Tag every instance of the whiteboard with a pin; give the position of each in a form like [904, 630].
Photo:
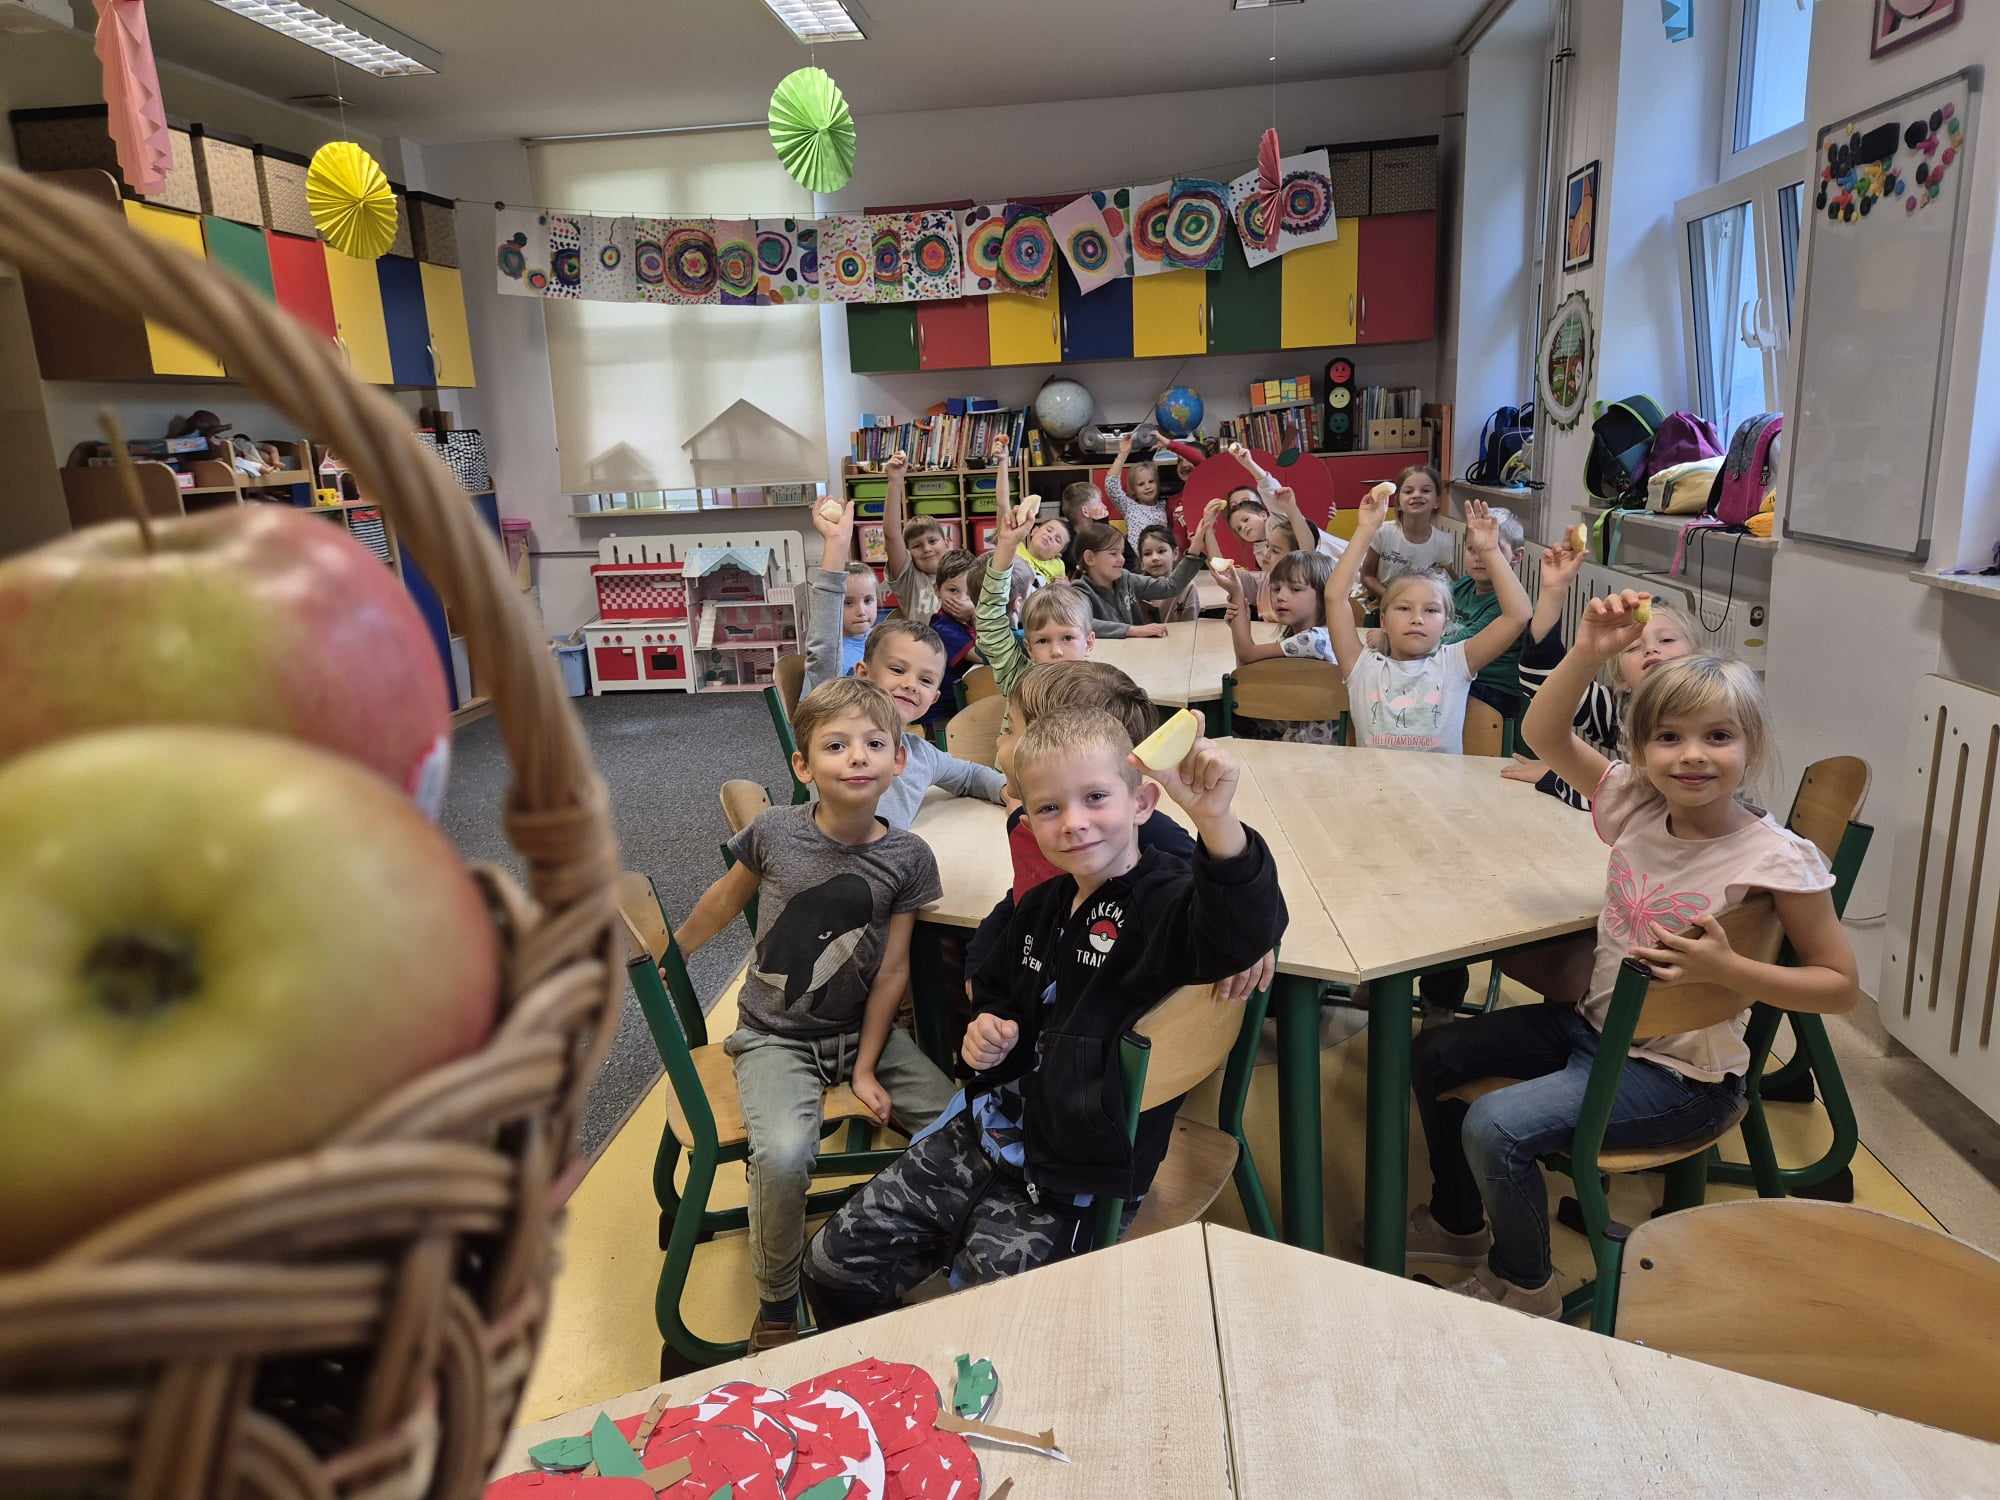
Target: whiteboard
[1874, 332]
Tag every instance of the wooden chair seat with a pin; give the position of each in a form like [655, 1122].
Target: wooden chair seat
[1614, 1158]
[973, 733]
[718, 1082]
[1199, 1162]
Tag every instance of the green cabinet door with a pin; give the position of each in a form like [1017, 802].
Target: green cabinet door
[241, 251]
[881, 338]
[1245, 306]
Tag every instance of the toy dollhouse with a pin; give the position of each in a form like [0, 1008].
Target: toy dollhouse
[693, 614]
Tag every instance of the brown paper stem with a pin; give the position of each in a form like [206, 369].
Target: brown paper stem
[1006, 1489]
[1043, 1443]
[666, 1476]
[653, 1414]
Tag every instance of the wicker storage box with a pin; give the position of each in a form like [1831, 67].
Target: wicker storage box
[78, 137]
[281, 189]
[1349, 173]
[225, 168]
[434, 223]
[1404, 179]
[402, 244]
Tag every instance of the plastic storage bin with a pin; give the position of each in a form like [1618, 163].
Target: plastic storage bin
[575, 676]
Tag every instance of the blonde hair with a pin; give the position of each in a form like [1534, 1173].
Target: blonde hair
[1427, 471]
[1054, 687]
[844, 695]
[1056, 603]
[1435, 580]
[1701, 684]
[1071, 733]
[1671, 614]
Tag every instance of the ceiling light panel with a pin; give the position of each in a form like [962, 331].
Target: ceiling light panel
[815, 21]
[1261, 4]
[337, 30]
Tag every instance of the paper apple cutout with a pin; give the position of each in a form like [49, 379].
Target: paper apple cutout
[1219, 475]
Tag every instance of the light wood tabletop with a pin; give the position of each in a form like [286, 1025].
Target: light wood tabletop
[1115, 1351]
[1186, 665]
[1343, 1381]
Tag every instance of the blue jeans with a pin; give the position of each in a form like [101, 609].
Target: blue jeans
[1483, 1156]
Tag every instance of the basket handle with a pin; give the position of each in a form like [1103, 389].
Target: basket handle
[557, 814]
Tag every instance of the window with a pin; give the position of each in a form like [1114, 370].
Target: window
[1765, 87]
[1739, 268]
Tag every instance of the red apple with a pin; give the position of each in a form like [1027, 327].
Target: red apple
[258, 616]
[215, 948]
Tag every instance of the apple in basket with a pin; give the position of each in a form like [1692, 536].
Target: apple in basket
[216, 948]
[259, 616]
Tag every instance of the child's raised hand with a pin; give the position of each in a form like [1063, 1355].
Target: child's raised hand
[1606, 626]
[1124, 445]
[898, 461]
[1700, 954]
[1231, 584]
[1560, 565]
[1205, 781]
[988, 1040]
[1482, 527]
[1374, 508]
[834, 519]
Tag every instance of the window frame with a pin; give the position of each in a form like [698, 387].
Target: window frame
[1730, 162]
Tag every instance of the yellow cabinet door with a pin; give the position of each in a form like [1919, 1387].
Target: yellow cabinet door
[1317, 306]
[1023, 330]
[444, 308]
[1170, 313]
[360, 328]
[171, 353]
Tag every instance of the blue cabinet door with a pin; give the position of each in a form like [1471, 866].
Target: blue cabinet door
[409, 327]
[1097, 326]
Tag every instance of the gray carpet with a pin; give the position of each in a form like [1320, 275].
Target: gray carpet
[663, 755]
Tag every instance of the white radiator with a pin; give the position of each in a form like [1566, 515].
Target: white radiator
[1938, 977]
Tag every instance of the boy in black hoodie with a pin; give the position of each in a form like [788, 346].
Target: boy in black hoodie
[1004, 1180]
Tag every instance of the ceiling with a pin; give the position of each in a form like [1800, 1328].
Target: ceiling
[532, 67]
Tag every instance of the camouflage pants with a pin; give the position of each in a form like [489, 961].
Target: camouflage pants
[943, 1203]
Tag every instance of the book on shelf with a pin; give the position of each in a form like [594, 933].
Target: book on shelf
[1381, 401]
[1275, 392]
[962, 431]
[1300, 427]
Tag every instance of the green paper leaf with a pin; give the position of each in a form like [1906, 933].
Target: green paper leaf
[727, 1492]
[561, 1454]
[812, 130]
[830, 1489]
[973, 1385]
[612, 1454]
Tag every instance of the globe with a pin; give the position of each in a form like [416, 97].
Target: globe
[1062, 407]
[1179, 412]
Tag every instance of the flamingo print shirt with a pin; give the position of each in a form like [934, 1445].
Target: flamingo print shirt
[1656, 877]
[1414, 704]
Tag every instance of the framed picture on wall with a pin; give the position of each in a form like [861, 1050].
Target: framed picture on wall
[1898, 22]
[1580, 218]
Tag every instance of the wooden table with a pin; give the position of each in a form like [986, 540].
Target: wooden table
[1184, 666]
[1391, 862]
[1207, 1362]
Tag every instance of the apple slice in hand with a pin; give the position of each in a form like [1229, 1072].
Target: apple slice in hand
[1167, 746]
[1579, 537]
[831, 511]
[1642, 612]
[1220, 565]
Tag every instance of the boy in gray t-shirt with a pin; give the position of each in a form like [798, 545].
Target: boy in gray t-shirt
[837, 894]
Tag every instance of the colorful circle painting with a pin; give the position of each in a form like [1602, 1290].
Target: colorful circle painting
[773, 250]
[982, 251]
[690, 258]
[1194, 229]
[1260, 221]
[887, 253]
[1149, 228]
[932, 254]
[1027, 251]
[610, 256]
[1308, 200]
[566, 265]
[1089, 250]
[736, 270]
[649, 262]
[849, 268]
[513, 257]
[807, 268]
[539, 280]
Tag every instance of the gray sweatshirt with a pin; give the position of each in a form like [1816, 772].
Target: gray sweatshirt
[1114, 611]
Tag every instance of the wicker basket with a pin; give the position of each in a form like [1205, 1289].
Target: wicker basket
[358, 1321]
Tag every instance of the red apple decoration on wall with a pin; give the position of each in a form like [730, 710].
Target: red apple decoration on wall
[258, 616]
[216, 948]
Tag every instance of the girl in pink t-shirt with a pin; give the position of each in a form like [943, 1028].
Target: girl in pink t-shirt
[1684, 848]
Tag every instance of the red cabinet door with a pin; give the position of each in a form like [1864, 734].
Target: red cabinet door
[298, 276]
[952, 335]
[615, 663]
[1397, 278]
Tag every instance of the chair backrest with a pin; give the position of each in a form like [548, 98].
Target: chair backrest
[1824, 1297]
[973, 733]
[645, 923]
[1289, 690]
[979, 684]
[1829, 798]
[1754, 932]
[1485, 730]
[790, 677]
[1191, 1032]
[742, 801]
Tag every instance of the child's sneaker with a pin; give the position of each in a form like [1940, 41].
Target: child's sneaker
[765, 1335]
[1429, 1241]
[1483, 1285]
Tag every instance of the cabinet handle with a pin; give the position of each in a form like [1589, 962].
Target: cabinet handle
[346, 353]
[1350, 310]
[1055, 333]
[923, 340]
[913, 332]
[1364, 310]
[437, 365]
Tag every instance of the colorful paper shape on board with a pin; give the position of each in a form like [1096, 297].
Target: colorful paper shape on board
[521, 252]
[136, 112]
[1305, 201]
[735, 262]
[942, 1467]
[901, 1400]
[888, 274]
[563, 1453]
[829, 1489]
[565, 258]
[974, 1385]
[1196, 222]
[611, 1453]
[981, 229]
[836, 1441]
[733, 1437]
[1085, 243]
[1027, 251]
[787, 261]
[607, 261]
[1152, 206]
[1254, 203]
[846, 262]
[932, 261]
[673, 261]
[1116, 206]
[539, 1484]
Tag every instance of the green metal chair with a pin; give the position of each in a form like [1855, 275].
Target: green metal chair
[742, 801]
[1640, 1010]
[1285, 690]
[704, 1122]
[1169, 1050]
[781, 700]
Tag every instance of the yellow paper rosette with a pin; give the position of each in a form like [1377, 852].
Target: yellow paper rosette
[348, 196]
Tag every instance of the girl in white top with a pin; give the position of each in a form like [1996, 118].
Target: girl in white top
[1295, 585]
[1263, 503]
[1412, 696]
[1684, 848]
[1410, 543]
